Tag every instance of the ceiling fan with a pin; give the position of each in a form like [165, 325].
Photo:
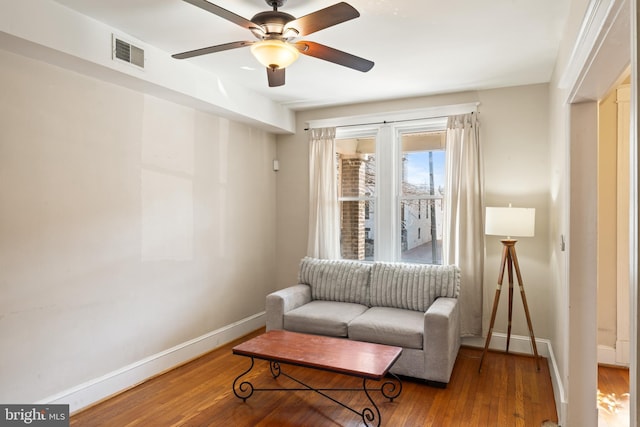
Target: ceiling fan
[278, 32]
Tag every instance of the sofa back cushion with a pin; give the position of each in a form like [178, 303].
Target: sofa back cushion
[412, 286]
[336, 280]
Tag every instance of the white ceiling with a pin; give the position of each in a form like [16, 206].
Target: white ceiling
[420, 47]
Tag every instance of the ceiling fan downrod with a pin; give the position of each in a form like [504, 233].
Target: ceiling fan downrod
[275, 4]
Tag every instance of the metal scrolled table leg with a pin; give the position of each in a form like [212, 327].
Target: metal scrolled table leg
[391, 389]
[368, 414]
[275, 369]
[243, 390]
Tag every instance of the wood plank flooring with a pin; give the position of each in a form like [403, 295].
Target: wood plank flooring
[613, 396]
[508, 392]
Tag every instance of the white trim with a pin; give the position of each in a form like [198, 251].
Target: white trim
[519, 344]
[394, 116]
[634, 227]
[366, 131]
[558, 389]
[614, 356]
[622, 352]
[634, 224]
[387, 231]
[606, 355]
[93, 391]
[608, 31]
[590, 31]
[522, 345]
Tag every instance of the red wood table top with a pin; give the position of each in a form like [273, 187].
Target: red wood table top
[361, 359]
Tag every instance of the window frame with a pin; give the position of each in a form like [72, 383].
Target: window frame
[388, 188]
[367, 131]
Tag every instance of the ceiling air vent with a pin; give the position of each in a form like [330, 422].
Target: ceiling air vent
[127, 52]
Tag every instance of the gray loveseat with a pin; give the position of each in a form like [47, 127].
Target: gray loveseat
[413, 306]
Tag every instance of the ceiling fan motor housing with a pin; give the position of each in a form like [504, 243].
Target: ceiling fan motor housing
[272, 22]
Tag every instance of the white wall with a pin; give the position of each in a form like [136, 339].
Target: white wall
[593, 55]
[558, 235]
[128, 225]
[514, 139]
[559, 206]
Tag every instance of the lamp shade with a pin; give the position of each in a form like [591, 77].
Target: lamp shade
[510, 222]
[274, 54]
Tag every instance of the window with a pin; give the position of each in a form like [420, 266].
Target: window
[356, 159]
[421, 197]
[391, 185]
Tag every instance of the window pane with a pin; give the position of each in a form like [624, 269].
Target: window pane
[356, 181]
[421, 231]
[357, 230]
[356, 167]
[421, 212]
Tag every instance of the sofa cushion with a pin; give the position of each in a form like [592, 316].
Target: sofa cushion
[390, 326]
[336, 280]
[412, 286]
[323, 318]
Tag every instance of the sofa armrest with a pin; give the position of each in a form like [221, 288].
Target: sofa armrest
[441, 338]
[282, 301]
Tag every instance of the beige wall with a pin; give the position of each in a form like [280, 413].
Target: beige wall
[128, 225]
[516, 158]
[514, 139]
[607, 212]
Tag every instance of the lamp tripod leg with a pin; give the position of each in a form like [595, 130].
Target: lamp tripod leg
[496, 300]
[512, 251]
[510, 276]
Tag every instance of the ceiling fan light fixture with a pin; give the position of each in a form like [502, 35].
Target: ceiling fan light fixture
[274, 54]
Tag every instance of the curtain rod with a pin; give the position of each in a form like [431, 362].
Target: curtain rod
[383, 122]
[386, 122]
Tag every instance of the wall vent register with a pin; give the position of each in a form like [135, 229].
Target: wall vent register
[127, 52]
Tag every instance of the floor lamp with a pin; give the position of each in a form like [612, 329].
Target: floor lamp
[510, 222]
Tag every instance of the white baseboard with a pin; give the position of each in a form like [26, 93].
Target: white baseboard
[618, 356]
[606, 355]
[93, 391]
[518, 343]
[623, 350]
[521, 344]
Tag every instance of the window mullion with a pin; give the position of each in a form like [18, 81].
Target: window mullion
[386, 213]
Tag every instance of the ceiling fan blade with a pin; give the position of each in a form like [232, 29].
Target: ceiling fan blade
[336, 56]
[223, 13]
[323, 18]
[275, 76]
[211, 49]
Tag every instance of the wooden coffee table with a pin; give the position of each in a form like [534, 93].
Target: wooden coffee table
[368, 361]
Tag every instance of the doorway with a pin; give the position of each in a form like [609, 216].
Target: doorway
[613, 226]
[612, 51]
[613, 183]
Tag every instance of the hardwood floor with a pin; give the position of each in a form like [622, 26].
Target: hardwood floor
[613, 396]
[508, 392]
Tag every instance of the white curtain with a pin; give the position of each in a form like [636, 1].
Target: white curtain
[324, 219]
[463, 242]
